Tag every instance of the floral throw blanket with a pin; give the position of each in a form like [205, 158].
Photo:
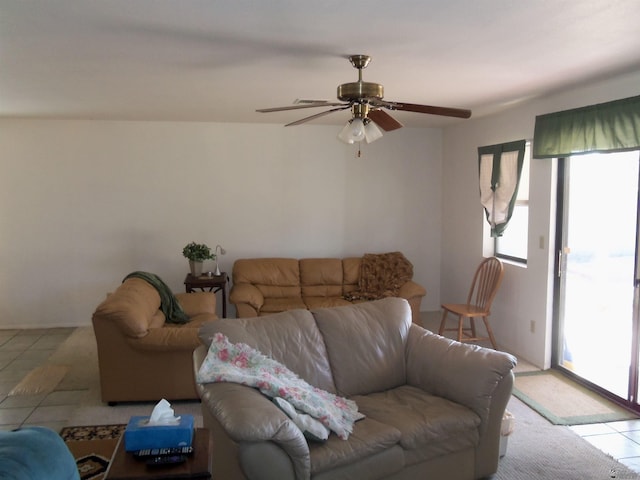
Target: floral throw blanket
[239, 363]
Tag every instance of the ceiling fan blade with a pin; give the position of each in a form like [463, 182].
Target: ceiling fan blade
[299, 106]
[317, 115]
[384, 120]
[307, 100]
[430, 109]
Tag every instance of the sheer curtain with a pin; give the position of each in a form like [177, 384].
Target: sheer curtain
[500, 169]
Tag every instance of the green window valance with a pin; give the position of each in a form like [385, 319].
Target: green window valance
[605, 127]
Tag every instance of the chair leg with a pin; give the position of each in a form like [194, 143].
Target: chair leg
[460, 325]
[443, 322]
[472, 323]
[490, 332]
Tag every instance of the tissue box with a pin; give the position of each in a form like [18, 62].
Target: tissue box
[139, 436]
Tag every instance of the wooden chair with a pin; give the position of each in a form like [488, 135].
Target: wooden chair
[484, 287]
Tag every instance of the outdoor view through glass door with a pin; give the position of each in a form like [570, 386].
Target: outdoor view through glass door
[597, 339]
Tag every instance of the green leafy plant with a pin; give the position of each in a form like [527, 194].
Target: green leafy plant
[198, 252]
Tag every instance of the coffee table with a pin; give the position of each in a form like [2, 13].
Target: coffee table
[124, 466]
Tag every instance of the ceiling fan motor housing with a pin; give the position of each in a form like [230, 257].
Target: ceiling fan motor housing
[354, 91]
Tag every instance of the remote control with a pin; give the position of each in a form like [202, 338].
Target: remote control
[163, 452]
[166, 460]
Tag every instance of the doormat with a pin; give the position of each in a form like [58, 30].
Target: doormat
[40, 380]
[92, 447]
[563, 401]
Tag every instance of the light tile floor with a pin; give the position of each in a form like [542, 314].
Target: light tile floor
[20, 352]
[23, 350]
[621, 440]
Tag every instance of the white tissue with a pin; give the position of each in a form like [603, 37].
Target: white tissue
[163, 415]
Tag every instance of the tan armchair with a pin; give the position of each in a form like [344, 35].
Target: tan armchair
[142, 357]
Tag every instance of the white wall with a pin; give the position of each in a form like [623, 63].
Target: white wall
[83, 203]
[526, 293]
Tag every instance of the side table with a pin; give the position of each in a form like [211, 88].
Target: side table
[124, 466]
[206, 283]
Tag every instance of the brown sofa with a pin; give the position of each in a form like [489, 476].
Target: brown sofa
[433, 406]
[142, 357]
[262, 286]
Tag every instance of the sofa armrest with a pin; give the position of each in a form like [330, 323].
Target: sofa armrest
[411, 289]
[489, 445]
[466, 374]
[246, 293]
[250, 418]
[197, 302]
[167, 339]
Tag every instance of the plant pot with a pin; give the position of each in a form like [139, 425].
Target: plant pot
[196, 268]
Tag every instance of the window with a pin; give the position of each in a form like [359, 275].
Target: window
[512, 245]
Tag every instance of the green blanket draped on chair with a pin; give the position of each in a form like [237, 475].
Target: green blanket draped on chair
[168, 304]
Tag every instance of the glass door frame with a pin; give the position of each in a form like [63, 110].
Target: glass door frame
[632, 401]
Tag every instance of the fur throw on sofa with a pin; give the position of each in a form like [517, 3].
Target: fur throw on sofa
[381, 275]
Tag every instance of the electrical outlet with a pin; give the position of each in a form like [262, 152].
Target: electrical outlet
[532, 326]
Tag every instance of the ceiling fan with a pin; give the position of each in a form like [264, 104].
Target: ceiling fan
[365, 99]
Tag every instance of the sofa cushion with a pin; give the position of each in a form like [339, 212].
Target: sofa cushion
[434, 425]
[321, 277]
[324, 302]
[291, 338]
[369, 437]
[133, 306]
[275, 305]
[366, 344]
[274, 277]
[351, 273]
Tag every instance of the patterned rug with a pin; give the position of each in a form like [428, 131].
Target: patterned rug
[92, 447]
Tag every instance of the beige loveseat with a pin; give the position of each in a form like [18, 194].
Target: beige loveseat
[141, 356]
[433, 406]
[262, 286]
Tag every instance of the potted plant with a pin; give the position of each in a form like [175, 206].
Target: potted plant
[197, 253]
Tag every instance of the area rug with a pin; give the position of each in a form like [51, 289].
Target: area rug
[79, 352]
[40, 380]
[539, 450]
[563, 401]
[92, 447]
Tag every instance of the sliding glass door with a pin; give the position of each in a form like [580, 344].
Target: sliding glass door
[597, 304]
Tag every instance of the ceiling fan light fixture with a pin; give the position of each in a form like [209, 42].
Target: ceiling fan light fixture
[371, 131]
[353, 131]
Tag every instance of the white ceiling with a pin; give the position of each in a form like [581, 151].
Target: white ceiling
[219, 60]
